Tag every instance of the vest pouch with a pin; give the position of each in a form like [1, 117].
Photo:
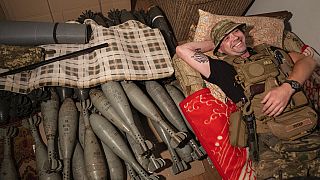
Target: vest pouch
[294, 124]
[237, 130]
[256, 104]
[258, 70]
[299, 99]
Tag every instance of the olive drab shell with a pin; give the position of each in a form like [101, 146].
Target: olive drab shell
[13, 57]
[221, 30]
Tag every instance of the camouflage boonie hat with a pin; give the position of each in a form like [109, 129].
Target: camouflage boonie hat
[221, 30]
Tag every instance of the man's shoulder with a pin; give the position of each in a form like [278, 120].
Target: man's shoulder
[266, 48]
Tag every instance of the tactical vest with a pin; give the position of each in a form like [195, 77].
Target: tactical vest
[257, 75]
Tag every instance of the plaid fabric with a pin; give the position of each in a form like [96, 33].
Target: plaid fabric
[135, 52]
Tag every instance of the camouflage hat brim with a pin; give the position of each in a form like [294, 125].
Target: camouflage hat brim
[219, 33]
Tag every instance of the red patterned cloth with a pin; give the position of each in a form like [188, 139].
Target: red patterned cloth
[209, 119]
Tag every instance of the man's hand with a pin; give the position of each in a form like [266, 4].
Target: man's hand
[276, 100]
[307, 51]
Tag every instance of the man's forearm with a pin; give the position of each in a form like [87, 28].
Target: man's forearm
[303, 69]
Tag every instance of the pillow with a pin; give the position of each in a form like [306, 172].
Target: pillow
[261, 29]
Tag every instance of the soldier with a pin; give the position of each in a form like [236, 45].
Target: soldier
[278, 155]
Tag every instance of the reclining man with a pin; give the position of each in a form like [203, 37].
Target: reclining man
[263, 82]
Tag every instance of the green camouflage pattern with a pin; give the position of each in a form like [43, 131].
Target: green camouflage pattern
[221, 30]
[281, 159]
[13, 57]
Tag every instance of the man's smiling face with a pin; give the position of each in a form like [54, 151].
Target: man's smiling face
[234, 43]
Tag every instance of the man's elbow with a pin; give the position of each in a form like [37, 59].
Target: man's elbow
[297, 57]
[315, 61]
[312, 62]
[179, 50]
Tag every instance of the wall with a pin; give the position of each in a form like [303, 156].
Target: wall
[56, 10]
[2, 15]
[304, 21]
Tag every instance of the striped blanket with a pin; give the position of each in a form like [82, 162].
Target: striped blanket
[135, 52]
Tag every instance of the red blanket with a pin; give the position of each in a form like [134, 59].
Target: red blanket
[209, 118]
